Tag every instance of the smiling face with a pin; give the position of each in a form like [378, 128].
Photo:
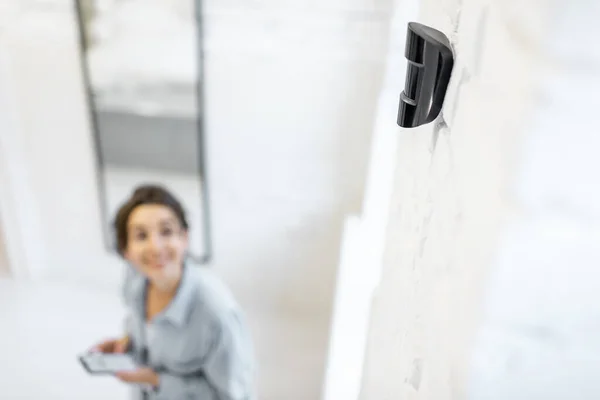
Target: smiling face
[156, 243]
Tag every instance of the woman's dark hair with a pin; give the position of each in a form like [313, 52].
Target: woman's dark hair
[145, 194]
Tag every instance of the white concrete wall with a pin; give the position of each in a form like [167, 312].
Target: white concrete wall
[51, 164]
[489, 289]
[290, 120]
[540, 337]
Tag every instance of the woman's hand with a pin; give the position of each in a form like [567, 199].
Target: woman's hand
[140, 376]
[112, 345]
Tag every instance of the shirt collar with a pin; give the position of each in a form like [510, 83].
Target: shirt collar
[178, 310]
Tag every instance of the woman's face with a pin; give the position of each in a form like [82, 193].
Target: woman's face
[156, 243]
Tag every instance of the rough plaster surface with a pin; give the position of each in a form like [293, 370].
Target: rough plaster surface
[450, 200]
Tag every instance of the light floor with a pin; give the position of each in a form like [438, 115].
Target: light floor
[44, 326]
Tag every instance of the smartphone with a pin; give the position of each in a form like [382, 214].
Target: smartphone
[107, 364]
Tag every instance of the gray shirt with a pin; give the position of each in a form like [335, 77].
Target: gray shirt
[199, 345]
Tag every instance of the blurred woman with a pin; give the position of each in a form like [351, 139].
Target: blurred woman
[184, 327]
